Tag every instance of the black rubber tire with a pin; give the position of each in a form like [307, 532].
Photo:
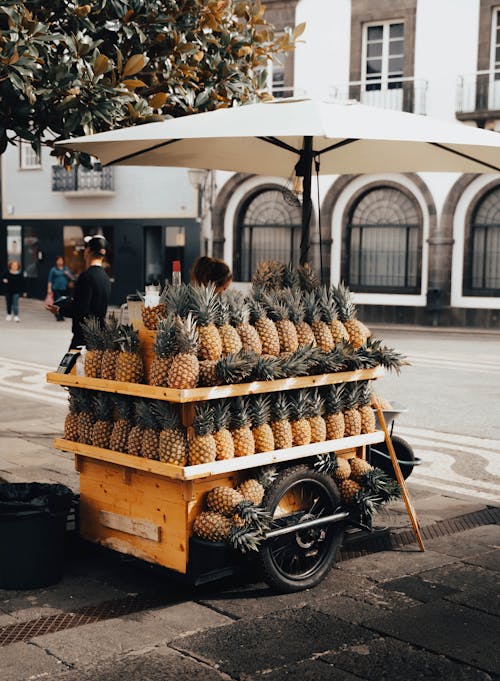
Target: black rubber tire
[403, 453]
[312, 551]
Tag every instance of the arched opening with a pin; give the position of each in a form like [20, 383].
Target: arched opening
[482, 247]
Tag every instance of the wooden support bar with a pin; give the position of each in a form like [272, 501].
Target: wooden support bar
[135, 526]
[399, 477]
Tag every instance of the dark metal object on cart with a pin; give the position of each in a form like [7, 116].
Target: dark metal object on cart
[378, 455]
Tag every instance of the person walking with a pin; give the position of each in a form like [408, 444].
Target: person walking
[13, 281]
[91, 293]
[58, 282]
[208, 270]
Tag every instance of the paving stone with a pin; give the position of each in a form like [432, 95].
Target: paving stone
[254, 600]
[468, 543]
[388, 565]
[272, 641]
[387, 600]
[348, 609]
[185, 618]
[431, 508]
[160, 664]
[310, 670]
[418, 589]
[21, 661]
[461, 576]
[490, 560]
[478, 599]
[447, 628]
[386, 659]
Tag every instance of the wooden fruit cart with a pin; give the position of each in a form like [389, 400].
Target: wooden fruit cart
[146, 508]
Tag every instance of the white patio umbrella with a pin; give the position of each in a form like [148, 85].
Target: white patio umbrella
[281, 136]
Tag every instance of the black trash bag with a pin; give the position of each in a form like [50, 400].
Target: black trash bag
[28, 497]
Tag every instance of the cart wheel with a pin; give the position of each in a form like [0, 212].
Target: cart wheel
[380, 457]
[300, 560]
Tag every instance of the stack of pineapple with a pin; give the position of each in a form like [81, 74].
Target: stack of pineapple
[113, 351]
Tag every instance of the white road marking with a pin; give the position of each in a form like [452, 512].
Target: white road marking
[28, 380]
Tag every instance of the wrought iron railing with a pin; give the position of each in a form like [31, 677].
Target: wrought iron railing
[478, 91]
[79, 179]
[399, 94]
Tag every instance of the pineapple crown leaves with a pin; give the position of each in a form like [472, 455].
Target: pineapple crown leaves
[268, 275]
[293, 300]
[84, 400]
[300, 362]
[268, 368]
[186, 335]
[240, 413]
[204, 303]
[93, 333]
[378, 484]
[245, 538]
[276, 308]
[222, 414]
[145, 416]
[308, 279]
[290, 278]
[235, 367]
[256, 309]
[334, 360]
[344, 301]
[267, 475]
[351, 395]
[312, 308]
[177, 299]
[327, 304]
[166, 414]
[387, 357]
[326, 463]
[250, 513]
[165, 344]
[361, 358]
[334, 398]
[239, 309]
[129, 339]
[316, 403]
[123, 405]
[112, 333]
[260, 409]
[203, 422]
[299, 405]
[223, 315]
[280, 407]
[365, 392]
[103, 406]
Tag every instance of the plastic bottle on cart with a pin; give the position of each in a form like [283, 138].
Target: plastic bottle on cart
[80, 362]
[176, 273]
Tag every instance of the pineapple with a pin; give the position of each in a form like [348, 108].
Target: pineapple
[252, 490]
[202, 446]
[232, 368]
[357, 331]
[296, 310]
[301, 428]
[329, 315]
[94, 336]
[205, 306]
[240, 315]
[230, 338]
[164, 349]
[359, 468]
[152, 315]
[148, 422]
[279, 313]
[222, 436]
[71, 420]
[280, 421]
[122, 424]
[172, 443]
[387, 357]
[177, 300]
[185, 369]
[268, 275]
[268, 368]
[103, 425]
[312, 315]
[134, 440]
[348, 491]
[111, 348]
[315, 417]
[331, 464]
[334, 418]
[352, 417]
[212, 526]
[244, 444]
[129, 365]
[266, 329]
[308, 279]
[229, 502]
[260, 409]
[85, 417]
[368, 420]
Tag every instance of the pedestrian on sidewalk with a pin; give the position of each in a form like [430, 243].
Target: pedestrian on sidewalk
[13, 282]
[208, 270]
[91, 293]
[60, 279]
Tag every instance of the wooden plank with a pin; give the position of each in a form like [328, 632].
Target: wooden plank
[216, 392]
[135, 526]
[217, 467]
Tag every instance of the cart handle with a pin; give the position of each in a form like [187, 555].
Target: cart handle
[335, 518]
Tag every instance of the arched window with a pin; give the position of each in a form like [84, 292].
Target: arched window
[384, 242]
[482, 248]
[267, 228]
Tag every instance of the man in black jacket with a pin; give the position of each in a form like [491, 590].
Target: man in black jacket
[91, 292]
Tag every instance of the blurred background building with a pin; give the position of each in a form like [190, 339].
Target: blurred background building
[416, 248]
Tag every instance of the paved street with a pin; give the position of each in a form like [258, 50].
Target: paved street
[396, 613]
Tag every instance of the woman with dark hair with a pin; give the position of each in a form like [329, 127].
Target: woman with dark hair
[208, 270]
[14, 288]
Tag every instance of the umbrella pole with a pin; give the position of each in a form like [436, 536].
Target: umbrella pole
[306, 160]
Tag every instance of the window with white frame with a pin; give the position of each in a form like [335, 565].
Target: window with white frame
[482, 256]
[495, 44]
[29, 159]
[383, 52]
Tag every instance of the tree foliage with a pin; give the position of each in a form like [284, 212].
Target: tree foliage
[68, 69]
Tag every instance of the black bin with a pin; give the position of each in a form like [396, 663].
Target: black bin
[32, 532]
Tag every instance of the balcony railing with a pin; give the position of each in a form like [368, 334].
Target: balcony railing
[398, 94]
[478, 92]
[81, 181]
